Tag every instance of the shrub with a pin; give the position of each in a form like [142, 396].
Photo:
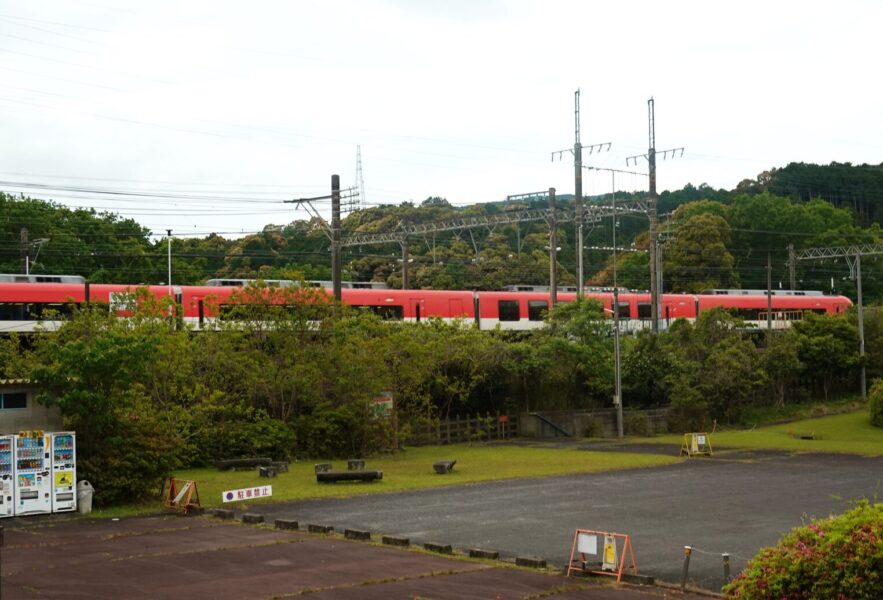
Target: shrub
[837, 557]
[592, 427]
[688, 410]
[875, 403]
[224, 427]
[636, 422]
[344, 431]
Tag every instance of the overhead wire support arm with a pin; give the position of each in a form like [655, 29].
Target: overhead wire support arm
[307, 203]
[673, 152]
[362, 239]
[602, 147]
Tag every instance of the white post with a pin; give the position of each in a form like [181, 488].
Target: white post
[170, 261]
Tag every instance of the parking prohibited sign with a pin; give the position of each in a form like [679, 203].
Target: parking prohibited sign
[252, 493]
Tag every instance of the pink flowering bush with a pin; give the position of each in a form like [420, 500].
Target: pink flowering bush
[838, 558]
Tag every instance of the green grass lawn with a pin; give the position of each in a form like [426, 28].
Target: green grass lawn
[408, 470]
[850, 433]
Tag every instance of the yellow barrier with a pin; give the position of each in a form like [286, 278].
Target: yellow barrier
[695, 444]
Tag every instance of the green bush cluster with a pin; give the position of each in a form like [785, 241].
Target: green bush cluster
[838, 557]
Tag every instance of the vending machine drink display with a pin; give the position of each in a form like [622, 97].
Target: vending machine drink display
[33, 482]
[7, 476]
[64, 471]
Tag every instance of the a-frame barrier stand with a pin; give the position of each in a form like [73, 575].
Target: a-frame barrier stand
[612, 557]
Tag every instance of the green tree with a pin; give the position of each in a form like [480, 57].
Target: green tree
[780, 360]
[97, 369]
[697, 258]
[828, 349]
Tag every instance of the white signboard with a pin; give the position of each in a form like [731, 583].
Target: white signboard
[252, 493]
[587, 544]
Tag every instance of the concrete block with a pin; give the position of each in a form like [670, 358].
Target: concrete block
[392, 540]
[286, 524]
[356, 534]
[482, 553]
[314, 528]
[252, 518]
[440, 548]
[534, 562]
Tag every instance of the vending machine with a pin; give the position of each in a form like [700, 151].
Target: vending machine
[33, 481]
[64, 471]
[7, 475]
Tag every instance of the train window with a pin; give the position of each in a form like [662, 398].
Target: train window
[387, 312]
[645, 311]
[265, 312]
[28, 311]
[12, 311]
[749, 314]
[624, 310]
[536, 309]
[510, 310]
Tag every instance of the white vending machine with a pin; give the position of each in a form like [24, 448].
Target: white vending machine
[64, 471]
[7, 475]
[33, 481]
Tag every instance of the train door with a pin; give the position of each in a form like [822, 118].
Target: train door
[416, 306]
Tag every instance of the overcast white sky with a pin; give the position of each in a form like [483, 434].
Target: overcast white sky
[231, 107]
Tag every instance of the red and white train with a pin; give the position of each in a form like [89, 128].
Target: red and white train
[24, 300]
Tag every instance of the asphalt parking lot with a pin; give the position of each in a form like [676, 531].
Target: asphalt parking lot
[734, 503]
[731, 503]
[201, 557]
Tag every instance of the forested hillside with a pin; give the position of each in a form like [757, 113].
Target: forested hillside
[712, 238]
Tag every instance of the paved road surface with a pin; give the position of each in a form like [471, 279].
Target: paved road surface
[734, 504]
[177, 557]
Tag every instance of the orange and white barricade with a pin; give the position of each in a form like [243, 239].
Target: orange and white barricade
[602, 553]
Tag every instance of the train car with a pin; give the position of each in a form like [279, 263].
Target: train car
[24, 305]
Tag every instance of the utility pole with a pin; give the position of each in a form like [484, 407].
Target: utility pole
[861, 323]
[405, 259]
[769, 292]
[617, 365]
[577, 152]
[655, 287]
[553, 249]
[792, 268]
[335, 237]
[23, 250]
[332, 232]
[169, 238]
[360, 179]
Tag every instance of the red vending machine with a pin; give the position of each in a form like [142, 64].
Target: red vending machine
[33, 481]
[64, 471]
[7, 475]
